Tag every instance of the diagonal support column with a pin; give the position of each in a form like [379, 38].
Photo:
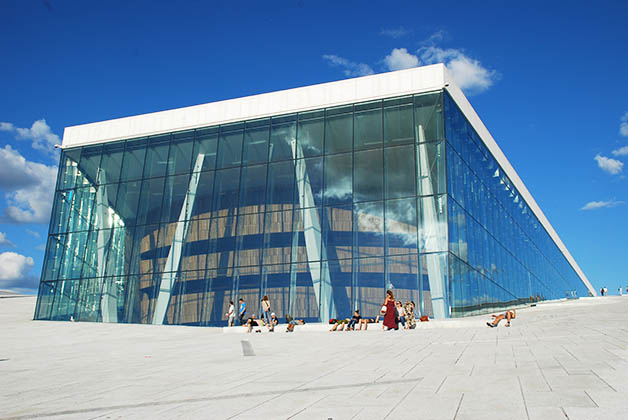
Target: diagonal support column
[176, 248]
[321, 281]
[109, 296]
[435, 271]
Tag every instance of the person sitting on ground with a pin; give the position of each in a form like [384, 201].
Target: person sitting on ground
[294, 322]
[274, 320]
[401, 315]
[410, 317]
[508, 315]
[252, 322]
[340, 323]
[354, 320]
[365, 322]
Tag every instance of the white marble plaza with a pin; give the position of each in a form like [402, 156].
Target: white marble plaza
[564, 360]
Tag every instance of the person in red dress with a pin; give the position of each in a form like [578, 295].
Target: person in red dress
[390, 319]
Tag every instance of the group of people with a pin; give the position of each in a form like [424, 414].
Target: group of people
[269, 319]
[620, 291]
[393, 313]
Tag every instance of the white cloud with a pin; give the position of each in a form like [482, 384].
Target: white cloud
[40, 134]
[623, 127]
[610, 165]
[350, 68]
[4, 241]
[400, 58]
[622, 151]
[29, 188]
[395, 32]
[468, 72]
[32, 233]
[594, 205]
[14, 270]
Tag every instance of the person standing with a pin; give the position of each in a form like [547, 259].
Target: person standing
[242, 311]
[266, 309]
[390, 319]
[605, 291]
[231, 314]
[620, 290]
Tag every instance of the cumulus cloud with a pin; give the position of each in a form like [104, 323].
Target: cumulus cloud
[468, 72]
[622, 151]
[349, 68]
[400, 58]
[14, 271]
[28, 187]
[396, 32]
[4, 241]
[623, 127]
[41, 136]
[594, 205]
[610, 165]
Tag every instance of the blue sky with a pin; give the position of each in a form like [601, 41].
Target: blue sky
[550, 82]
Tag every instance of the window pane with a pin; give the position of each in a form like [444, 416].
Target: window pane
[180, 157]
[368, 128]
[226, 189]
[400, 171]
[369, 224]
[337, 234]
[252, 189]
[309, 182]
[280, 185]
[90, 163]
[204, 195]
[111, 163]
[431, 168]
[150, 201]
[174, 194]
[401, 226]
[133, 163]
[127, 201]
[230, 149]
[281, 138]
[205, 143]
[255, 145]
[338, 133]
[428, 116]
[338, 179]
[433, 223]
[398, 124]
[157, 156]
[310, 137]
[369, 176]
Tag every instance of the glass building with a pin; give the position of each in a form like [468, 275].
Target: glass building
[320, 197]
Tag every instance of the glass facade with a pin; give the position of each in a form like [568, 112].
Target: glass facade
[322, 211]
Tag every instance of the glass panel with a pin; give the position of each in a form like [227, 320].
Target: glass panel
[369, 176]
[403, 278]
[230, 149]
[256, 145]
[432, 223]
[204, 196]
[180, 157]
[90, 163]
[175, 190]
[401, 228]
[281, 138]
[432, 168]
[337, 231]
[369, 226]
[398, 124]
[428, 116]
[400, 171]
[133, 162]
[310, 137]
[338, 133]
[368, 128]
[277, 237]
[111, 164]
[280, 185]
[206, 142]
[338, 179]
[226, 189]
[252, 189]
[68, 168]
[127, 201]
[309, 177]
[150, 201]
[157, 156]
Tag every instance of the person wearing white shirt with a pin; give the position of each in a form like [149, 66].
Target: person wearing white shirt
[231, 314]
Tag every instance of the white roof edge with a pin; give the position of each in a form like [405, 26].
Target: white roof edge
[359, 89]
[492, 146]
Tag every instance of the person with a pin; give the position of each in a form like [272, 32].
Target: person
[605, 291]
[231, 314]
[274, 320]
[294, 322]
[366, 322]
[508, 315]
[401, 314]
[340, 323]
[410, 317]
[621, 291]
[382, 314]
[355, 319]
[252, 322]
[242, 311]
[390, 319]
[266, 313]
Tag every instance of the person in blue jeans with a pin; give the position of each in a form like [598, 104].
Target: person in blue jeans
[242, 311]
[354, 320]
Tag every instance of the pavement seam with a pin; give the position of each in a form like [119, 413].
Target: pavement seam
[458, 408]
[523, 397]
[400, 401]
[441, 384]
[305, 408]
[596, 404]
[600, 378]
[543, 375]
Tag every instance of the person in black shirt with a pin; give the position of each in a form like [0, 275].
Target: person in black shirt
[354, 320]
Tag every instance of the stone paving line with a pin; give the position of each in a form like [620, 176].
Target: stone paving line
[563, 360]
